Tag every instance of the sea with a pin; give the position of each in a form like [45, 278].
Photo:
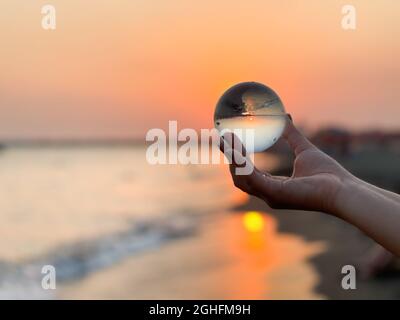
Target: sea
[84, 209]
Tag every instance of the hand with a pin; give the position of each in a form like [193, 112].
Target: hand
[319, 183]
[316, 181]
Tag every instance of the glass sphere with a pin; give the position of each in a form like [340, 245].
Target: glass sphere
[251, 105]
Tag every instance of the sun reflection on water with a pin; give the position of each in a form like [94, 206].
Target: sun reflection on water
[253, 221]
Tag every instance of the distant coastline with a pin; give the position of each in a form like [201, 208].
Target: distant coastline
[40, 143]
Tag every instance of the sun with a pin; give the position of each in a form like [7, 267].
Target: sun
[253, 221]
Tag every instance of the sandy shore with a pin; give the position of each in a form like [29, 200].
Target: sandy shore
[298, 255]
[221, 260]
[345, 245]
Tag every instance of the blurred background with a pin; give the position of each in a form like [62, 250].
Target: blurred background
[76, 191]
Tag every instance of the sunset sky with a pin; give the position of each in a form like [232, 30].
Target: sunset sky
[118, 68]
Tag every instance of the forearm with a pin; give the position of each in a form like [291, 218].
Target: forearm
[388, 194]
[374, 212]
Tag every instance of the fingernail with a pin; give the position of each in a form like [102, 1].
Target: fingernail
[226, 139]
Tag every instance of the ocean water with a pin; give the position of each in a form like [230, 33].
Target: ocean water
[114, 226]
[82, 209]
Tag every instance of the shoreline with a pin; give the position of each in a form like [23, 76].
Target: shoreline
[345, 245]
[229, 263]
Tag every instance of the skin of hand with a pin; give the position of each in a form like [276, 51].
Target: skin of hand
[319, 183]
[314, 185]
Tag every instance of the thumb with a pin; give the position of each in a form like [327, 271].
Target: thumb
[297, 141]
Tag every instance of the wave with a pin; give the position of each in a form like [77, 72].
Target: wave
[77, 260]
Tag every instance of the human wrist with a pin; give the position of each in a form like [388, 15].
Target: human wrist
[348, 190]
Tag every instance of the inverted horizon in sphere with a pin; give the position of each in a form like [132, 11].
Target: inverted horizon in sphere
[254, 112]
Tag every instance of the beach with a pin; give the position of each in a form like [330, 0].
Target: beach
[115, 227]
[221, 261]
[344, 245]
[299, 256]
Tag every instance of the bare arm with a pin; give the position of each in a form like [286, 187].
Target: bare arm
[375, 212]
[388, 194]
[319, 183]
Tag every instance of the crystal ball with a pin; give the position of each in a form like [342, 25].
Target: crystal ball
[253, 112]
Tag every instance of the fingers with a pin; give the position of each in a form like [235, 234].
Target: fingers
[256, 183]
[277, 192]
[234, 150]
[295, 138]
[240, 165]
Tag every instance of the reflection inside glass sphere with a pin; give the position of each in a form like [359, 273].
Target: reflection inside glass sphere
[251, 105]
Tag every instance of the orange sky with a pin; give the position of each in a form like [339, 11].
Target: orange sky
[117, 68]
